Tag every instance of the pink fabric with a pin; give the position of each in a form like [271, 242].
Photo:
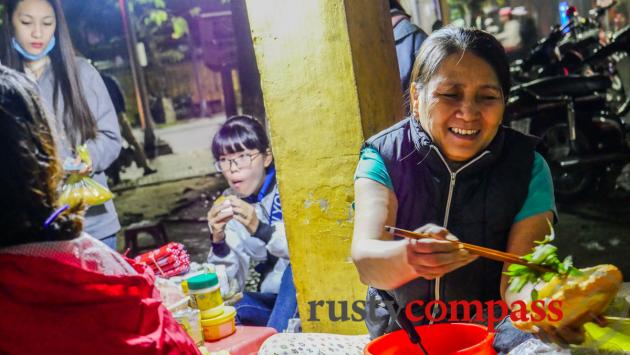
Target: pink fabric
[505, 11]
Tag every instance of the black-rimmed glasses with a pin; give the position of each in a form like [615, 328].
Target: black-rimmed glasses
[242, 161]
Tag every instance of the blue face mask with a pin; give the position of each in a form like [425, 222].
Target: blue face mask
[32, 57]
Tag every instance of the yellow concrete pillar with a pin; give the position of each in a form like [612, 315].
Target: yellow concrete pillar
[445, 11]
[329, 79]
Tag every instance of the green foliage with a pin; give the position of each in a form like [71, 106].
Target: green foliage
[158, 22]
[158, 4]
[543, 254]
[462, 9]
[180, 27]
[156, 17]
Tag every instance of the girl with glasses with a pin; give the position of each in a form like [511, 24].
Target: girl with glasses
[246, 224]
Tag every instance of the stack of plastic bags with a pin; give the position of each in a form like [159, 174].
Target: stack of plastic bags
[167, 261]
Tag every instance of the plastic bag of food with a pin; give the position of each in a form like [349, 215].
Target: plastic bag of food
[171, 293]
[82, 189]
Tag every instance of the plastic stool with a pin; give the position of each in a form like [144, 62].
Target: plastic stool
[153, 228]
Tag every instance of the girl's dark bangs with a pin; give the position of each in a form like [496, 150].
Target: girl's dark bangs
[233, 139]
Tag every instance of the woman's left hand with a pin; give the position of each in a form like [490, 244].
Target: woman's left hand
[573, 333]
[245, 213]
[561, 336]
[86, 171]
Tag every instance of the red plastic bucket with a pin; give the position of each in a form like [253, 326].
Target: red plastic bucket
[437, 339]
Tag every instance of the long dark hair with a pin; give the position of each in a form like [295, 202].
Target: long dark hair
[451, 40]
[78, 120]
[31, 171]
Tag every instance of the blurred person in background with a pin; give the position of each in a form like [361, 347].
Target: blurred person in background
[408, 38]
[510, 36]
[135, 150]
[621, 17]
[87, 39]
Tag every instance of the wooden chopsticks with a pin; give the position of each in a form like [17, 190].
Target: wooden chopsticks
[474, 249]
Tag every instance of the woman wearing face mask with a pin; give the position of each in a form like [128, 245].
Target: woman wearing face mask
[247, 225]
[62, 291]
[36, 41]
[453, 171]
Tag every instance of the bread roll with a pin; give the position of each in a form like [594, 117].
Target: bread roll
[583, 296]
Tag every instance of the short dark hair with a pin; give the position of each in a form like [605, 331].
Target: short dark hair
[78, 119]
[451, 40]
[31, 172]
[237, 134]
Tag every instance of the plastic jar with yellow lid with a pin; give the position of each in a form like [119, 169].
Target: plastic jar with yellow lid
[212, 312]
[204, 291]
[220, 327]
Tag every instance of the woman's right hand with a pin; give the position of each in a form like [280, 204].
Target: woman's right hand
[432, 258]
[218, 216]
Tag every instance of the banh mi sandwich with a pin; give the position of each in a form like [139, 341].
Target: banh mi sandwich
[579, 295]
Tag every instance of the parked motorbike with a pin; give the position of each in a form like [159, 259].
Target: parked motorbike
[585, 132]
[562, 52]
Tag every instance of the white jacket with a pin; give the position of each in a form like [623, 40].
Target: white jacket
[245, 247]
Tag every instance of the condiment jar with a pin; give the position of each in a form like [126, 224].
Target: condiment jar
[190, 320]
[204, 290]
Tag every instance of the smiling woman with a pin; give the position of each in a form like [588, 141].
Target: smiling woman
[460, 112]
[452, 171]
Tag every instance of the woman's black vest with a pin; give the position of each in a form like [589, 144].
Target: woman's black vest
[476, 202]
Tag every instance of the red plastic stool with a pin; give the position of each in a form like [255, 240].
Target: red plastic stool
[246, 340]
[153, 228]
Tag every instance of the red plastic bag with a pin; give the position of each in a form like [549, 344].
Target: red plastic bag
[169, 260]
[50, 307]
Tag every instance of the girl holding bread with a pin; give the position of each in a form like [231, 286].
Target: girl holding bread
[246, 223]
